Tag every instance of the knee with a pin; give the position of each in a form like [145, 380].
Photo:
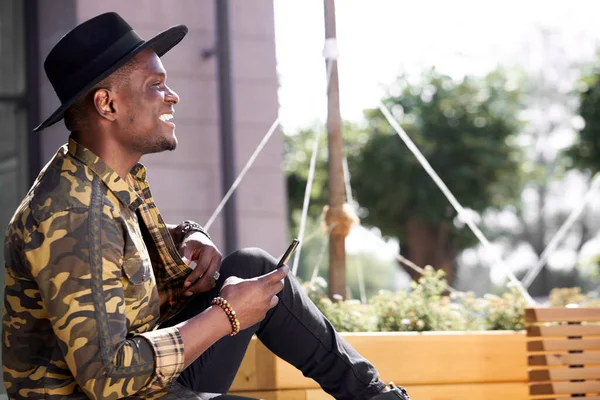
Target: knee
[251, 255]
[249, 262]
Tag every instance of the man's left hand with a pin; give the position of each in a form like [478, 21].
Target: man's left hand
[199, 249]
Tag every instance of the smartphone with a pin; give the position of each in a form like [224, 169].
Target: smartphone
[288, 253]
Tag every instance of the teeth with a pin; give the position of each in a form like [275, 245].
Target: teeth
[166, 117]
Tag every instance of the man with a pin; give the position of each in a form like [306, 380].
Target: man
[102, 298]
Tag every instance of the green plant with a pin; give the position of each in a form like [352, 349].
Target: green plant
[562, 297]
[424, 308]
[505, 312]
[428, 306]
[346, 316]
[466, 130]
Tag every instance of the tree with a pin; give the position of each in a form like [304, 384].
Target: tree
[464, 130]
[585, 152]
[549, 122]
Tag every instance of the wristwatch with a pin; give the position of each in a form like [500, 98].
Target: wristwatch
[181, 231]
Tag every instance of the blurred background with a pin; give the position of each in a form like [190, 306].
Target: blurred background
[503, 99]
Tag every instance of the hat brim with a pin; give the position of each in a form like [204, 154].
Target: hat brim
[161, 44]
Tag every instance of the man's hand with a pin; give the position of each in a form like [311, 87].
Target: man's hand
[252, 298]
[199, 249]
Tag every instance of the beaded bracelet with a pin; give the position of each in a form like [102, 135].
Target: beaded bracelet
[225, 306]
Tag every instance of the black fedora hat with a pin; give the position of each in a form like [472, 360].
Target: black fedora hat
[92, 51]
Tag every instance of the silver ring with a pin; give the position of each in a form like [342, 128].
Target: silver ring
[216, 275]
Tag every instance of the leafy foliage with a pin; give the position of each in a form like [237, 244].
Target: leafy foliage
[297, 153]
[298, 150]
[463, 129]
[427, 307]
[505, 312]
[562, 297]
[585, 153]
[346, 316]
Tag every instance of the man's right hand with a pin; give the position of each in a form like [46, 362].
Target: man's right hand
[252, 298]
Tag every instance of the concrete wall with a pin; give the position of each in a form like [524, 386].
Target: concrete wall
[186, 184]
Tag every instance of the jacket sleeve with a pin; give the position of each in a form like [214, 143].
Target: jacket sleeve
[76, 258]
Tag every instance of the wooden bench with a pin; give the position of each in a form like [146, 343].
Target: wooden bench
[563, 349]
[431, 365]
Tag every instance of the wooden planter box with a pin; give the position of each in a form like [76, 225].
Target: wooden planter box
[432, 366]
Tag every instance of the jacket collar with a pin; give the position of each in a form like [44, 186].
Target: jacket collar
[121, 189]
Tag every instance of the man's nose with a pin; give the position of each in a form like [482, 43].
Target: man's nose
[171, 96]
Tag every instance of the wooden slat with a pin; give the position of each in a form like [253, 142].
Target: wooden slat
[564, 387]
[474, 357]
[564, 374]
[565, 398]
[257, 370]
[273, 395]
[482, 391]
[561, 314]
[564, 359]
[563, 344]
[491, 391]
[563, 330]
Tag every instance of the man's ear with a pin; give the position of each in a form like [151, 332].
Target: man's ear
[104, 101]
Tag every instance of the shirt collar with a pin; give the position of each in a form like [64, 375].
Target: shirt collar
[121, 189]
[138, 172]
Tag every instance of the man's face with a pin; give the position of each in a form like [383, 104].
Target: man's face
[147, 106]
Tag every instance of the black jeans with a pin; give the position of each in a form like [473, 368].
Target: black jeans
[295, 330]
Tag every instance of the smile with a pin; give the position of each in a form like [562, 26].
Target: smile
[165, 117]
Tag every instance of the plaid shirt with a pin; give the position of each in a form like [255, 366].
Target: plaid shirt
[91, 271]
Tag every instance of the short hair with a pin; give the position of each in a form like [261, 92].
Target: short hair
[76, 116]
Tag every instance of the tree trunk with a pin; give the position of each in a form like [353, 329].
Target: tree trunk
[541, 285]
[428, 244]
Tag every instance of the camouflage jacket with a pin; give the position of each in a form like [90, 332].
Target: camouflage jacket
[91, 271]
